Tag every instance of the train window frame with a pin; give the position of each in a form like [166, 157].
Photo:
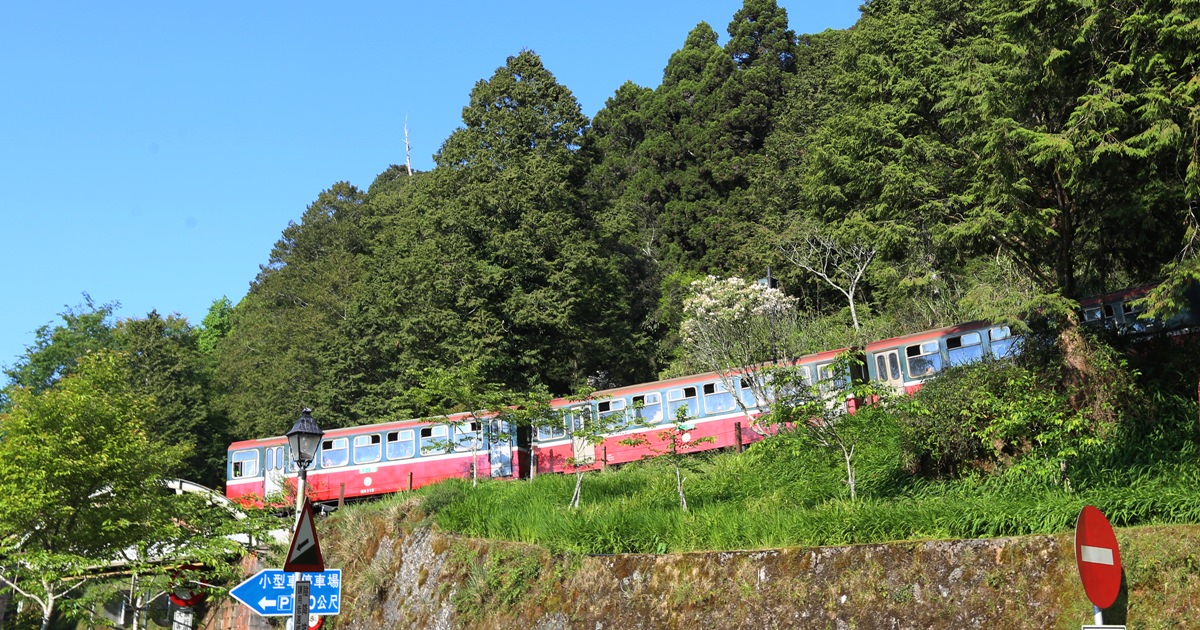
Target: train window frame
[428, 441]
[334, 446]
[746, 390]
[928, 351]
[372, 441]
[610, 406]
[551, 433]
[1092, 314]
[715, 390]
[827, 381]
[468, 440]
[678, 398]
[411, 441]
[577, 416]
[238, 465]
[639, 410]
[961, 351]
[1002, 337]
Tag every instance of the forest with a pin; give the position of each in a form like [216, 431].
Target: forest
[940, 161]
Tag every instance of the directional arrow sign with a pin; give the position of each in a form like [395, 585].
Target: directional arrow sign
[269, 592]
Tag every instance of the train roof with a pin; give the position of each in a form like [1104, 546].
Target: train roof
[926, 335]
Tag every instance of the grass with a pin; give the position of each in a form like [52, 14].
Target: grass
[773, 496]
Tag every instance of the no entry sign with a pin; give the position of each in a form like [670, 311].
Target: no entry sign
[1097, 557]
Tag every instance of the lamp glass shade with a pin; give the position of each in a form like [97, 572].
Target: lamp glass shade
[304, 438]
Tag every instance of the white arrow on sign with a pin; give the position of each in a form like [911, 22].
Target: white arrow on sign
[1096, 555]
[264, 602]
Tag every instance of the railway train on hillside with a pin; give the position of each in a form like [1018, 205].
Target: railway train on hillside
[387, 457]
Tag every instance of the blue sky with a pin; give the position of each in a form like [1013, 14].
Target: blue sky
[151, 153]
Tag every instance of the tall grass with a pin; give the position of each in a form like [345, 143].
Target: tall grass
[778, 494]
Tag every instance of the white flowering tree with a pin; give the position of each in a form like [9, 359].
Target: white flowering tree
[739, 329]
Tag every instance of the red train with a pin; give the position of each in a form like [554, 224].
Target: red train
[388, 457]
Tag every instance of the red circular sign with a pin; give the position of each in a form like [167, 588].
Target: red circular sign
[181, 592]
[1097, 557]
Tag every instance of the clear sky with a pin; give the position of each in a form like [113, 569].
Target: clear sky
[151, 153]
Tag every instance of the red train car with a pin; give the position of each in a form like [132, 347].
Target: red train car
[375, 459]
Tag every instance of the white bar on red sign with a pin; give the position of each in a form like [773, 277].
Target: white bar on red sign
[1097, 555]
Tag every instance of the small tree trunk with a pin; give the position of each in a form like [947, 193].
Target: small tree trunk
[474, 468]
[47, 611]
[849, 472]
[679, 487]
[578, 489]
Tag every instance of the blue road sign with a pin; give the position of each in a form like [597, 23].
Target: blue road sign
[269, 592]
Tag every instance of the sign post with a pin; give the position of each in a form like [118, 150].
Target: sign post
[303, 555]
[300, 611]
[303, 590]
[1098, 560]
[271, 593]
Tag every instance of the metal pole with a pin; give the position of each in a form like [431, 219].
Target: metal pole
[301, 481]
[1099, 615]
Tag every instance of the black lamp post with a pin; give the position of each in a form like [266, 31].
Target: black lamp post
[304, 438]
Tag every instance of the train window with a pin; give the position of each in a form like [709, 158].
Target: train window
[648, 408]
[555, 430]
[682, 398]
[1133, 321]
[828, 380]
[269, 454]
[400, 444]
[923, 359]
[435, 439]
[748, 397]
[608, 408]
[335, 452]
[717, 399]
[1091, 314]
[1002, 342]
[367, 449]
[245, 464]
[577, 416]
[887, 367]
[965, 348]
[466, 437]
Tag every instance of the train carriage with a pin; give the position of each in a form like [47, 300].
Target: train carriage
[1123, 312]
[712, 412]
[375, 459]
[906, 362]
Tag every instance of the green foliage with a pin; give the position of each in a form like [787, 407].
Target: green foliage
[55, 351]
[90, 481]
[216, 325]
[1036, 416]
[165, 362]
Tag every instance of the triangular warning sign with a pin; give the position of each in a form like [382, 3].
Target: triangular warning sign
[305, 552]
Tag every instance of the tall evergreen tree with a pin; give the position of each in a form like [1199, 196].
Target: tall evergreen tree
[497, 260]
[274, 360]
[165, 362]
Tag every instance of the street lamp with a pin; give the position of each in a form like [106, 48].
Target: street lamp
[304, 438]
